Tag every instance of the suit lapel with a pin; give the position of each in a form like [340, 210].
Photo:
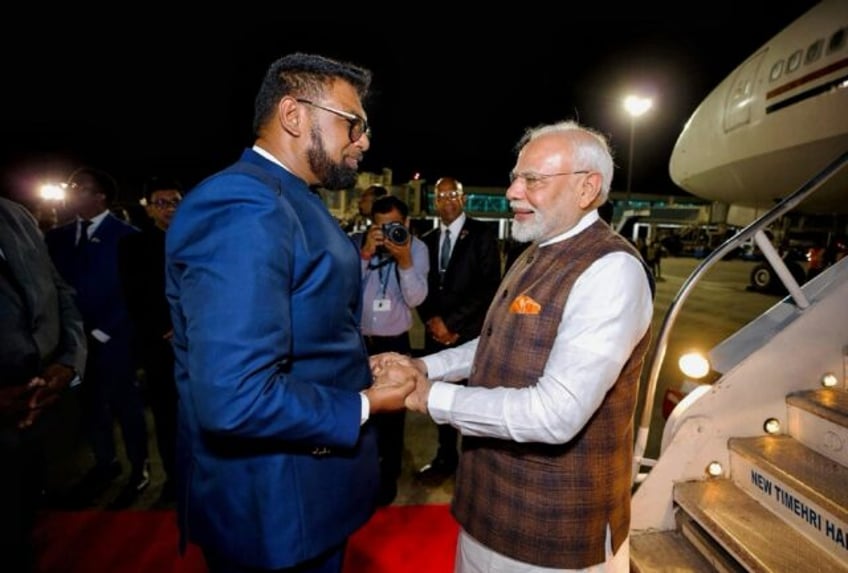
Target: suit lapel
[460, 247]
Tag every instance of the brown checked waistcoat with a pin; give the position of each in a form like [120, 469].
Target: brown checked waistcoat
[549, 504]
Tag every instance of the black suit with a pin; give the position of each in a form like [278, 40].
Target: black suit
[141, 264]
[109, 389]
[460, 296]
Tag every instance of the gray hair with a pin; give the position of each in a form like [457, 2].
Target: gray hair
[591, 148]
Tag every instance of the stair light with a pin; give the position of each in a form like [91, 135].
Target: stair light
[714, 469]
[694, 365]
[772, 426]
[829, 380]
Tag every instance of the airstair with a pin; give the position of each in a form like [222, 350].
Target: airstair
[753, 469]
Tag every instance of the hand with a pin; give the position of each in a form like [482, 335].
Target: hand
[440, 332]
[391, 387]
[416, 401]
[401, 253]
[373, 239]
[45, 391]
[379, 361]
[391, 366]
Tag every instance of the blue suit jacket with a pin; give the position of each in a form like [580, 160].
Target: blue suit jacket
[95, 278]
[264, 291]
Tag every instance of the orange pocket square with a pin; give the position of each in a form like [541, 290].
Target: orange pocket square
[525, 305]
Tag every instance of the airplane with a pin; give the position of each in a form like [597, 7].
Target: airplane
[779, 117]
[753, 462]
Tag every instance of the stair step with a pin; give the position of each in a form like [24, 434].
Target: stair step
[800, 486]
[819, 419]
[758, 539]
[829, 403]
[705, 545]
[811, 474]
[667, 552]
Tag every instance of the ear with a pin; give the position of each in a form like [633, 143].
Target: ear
[289, 113]
[590, 190]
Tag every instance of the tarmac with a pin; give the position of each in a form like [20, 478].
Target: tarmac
[716, 308]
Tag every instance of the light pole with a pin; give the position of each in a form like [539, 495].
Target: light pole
[635, 106]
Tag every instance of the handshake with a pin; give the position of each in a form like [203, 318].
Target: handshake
[399, 381]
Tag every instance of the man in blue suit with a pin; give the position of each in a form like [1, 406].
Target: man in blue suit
[85, 252]
[276, 461]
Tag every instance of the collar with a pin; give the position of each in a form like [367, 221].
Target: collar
[581, 226]
[95, 221]
[270, 157]
[454, 227]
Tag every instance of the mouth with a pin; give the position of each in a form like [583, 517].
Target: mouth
[352, 161]
[521, 213]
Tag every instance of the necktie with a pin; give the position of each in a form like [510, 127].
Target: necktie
[444, 256]
[83, 238]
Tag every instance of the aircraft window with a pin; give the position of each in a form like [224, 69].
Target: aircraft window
[776, 70]
[794, 61]
[837, 41]
[742, 91]
[814, 51]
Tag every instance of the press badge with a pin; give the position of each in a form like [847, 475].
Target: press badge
[382, 305]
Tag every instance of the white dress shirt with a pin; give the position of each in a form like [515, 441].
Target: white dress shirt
[601, 325]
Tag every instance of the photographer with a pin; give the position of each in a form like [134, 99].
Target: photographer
[394, 281]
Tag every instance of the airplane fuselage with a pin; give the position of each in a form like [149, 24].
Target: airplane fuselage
[773, 123]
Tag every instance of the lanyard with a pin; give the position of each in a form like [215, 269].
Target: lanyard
[384, 278]
[383, 267]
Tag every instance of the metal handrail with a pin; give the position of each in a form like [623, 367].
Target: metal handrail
[755, 231]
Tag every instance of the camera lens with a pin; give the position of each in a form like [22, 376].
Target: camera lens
[396, 232]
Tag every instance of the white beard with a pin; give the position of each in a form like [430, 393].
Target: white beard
[527, 231]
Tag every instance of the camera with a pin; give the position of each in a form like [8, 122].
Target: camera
[396, 232]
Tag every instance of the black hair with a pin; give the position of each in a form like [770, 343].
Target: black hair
[160, 183]
[103, 182]
[387, 204]
[376, 190]
[303, 75]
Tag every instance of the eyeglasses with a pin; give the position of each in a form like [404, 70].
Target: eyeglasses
[358, 125]
[77, 188]
[533, 180]
[449, 195]
[164, 203]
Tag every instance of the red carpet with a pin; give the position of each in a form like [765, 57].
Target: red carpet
[398, 539]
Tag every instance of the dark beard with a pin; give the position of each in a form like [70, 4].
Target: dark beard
[332, 176]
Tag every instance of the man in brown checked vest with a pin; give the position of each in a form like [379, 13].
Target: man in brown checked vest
[544, 477]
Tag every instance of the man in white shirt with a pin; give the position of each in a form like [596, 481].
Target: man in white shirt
[544, 483]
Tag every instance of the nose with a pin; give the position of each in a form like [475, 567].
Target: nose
[364, 141]
[515, 190]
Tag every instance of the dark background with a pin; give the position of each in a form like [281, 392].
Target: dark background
[150, 91]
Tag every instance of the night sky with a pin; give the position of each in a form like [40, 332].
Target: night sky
[158, 93]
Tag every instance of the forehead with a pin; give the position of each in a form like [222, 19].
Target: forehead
[83, 179]
[393, 215]
[345, 96]
[552, 150]
[165, 193]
